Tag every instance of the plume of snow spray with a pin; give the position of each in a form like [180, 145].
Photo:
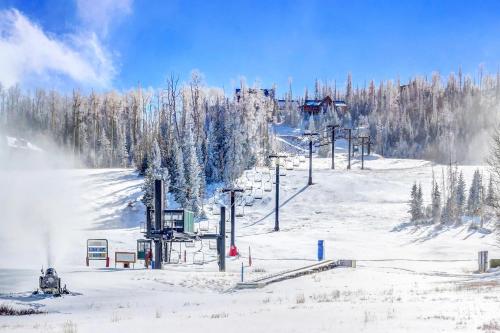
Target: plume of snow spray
[38, 200]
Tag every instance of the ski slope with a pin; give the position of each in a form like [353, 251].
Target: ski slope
[407, 278]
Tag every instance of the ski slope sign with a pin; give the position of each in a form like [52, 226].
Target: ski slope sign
[97, 249]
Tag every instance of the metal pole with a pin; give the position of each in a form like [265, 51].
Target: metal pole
[362, 153]
[369, 145]
[349, 150]
[222, 240]
[277, 209]
[333, 147]
[159, 202]
[310, 182]
[233, 218]
[148, 222]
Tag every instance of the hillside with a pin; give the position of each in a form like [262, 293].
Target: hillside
[405, 274]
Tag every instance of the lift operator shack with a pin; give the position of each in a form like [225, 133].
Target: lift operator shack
[179, 220]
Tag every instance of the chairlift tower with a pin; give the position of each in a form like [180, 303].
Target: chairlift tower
[277, 199]
[310, 134]
[333, 128]
[232, 192]
[349, 131]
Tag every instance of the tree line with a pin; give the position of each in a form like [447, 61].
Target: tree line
[189, 133]
[436, 119]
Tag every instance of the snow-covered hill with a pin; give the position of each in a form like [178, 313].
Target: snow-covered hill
[408, 278]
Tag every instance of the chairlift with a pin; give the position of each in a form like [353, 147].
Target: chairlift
[212, 244]
[174, 257]
[199, 256]
[289, 164]
[268, 186]
[282, 172]
[249, 176]
[215, 209]
[249, 199]
[259, 193]
[296, 161]
[240, 211]
[302, 159]
[203, 226]
[248, 185]
[258, 177]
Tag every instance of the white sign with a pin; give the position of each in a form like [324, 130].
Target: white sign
[97, 249]
[125, 257]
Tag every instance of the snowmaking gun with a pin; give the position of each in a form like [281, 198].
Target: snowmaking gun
[50, 283]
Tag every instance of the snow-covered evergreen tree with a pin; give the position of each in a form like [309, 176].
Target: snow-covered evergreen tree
[416, 208]
[436, 201]
[460, 195]
[420, 202]
[474, 201]
[153, 172]
[490, 196]
[193, 175]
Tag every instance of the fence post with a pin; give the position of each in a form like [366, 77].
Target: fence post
[483, 261]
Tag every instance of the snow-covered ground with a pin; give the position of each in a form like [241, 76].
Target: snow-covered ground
[408, 278]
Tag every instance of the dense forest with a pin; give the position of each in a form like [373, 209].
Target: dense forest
[435, 119]
[200, 135]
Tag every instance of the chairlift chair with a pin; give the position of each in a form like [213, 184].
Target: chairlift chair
[289, 164]
[296, 161]
[175, 257]
[249, 176]
[282, 171]
[198, 255]
[212, 244]
[249, 199]
[258, 177]
[268, 186]
[240, 209]
[302, 159]
[203, 227]
[259, 193]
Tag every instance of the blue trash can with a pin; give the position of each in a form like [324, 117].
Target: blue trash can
[320, 250]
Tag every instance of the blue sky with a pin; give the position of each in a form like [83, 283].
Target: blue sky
[116, 44]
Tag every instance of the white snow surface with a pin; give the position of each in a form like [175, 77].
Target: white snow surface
[407, 279]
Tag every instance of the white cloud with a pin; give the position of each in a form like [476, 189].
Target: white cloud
[28, 54]
[98, 15]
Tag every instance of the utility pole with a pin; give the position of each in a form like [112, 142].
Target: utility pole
[277, 199]
[233, 251]
[349, 130]
[310, 134]
[333, 127]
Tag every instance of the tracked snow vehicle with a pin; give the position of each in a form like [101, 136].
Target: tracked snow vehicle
[50, 283]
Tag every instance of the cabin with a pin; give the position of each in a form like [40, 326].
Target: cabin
[316, 106]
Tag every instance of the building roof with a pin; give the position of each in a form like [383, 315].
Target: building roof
[313, 102]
